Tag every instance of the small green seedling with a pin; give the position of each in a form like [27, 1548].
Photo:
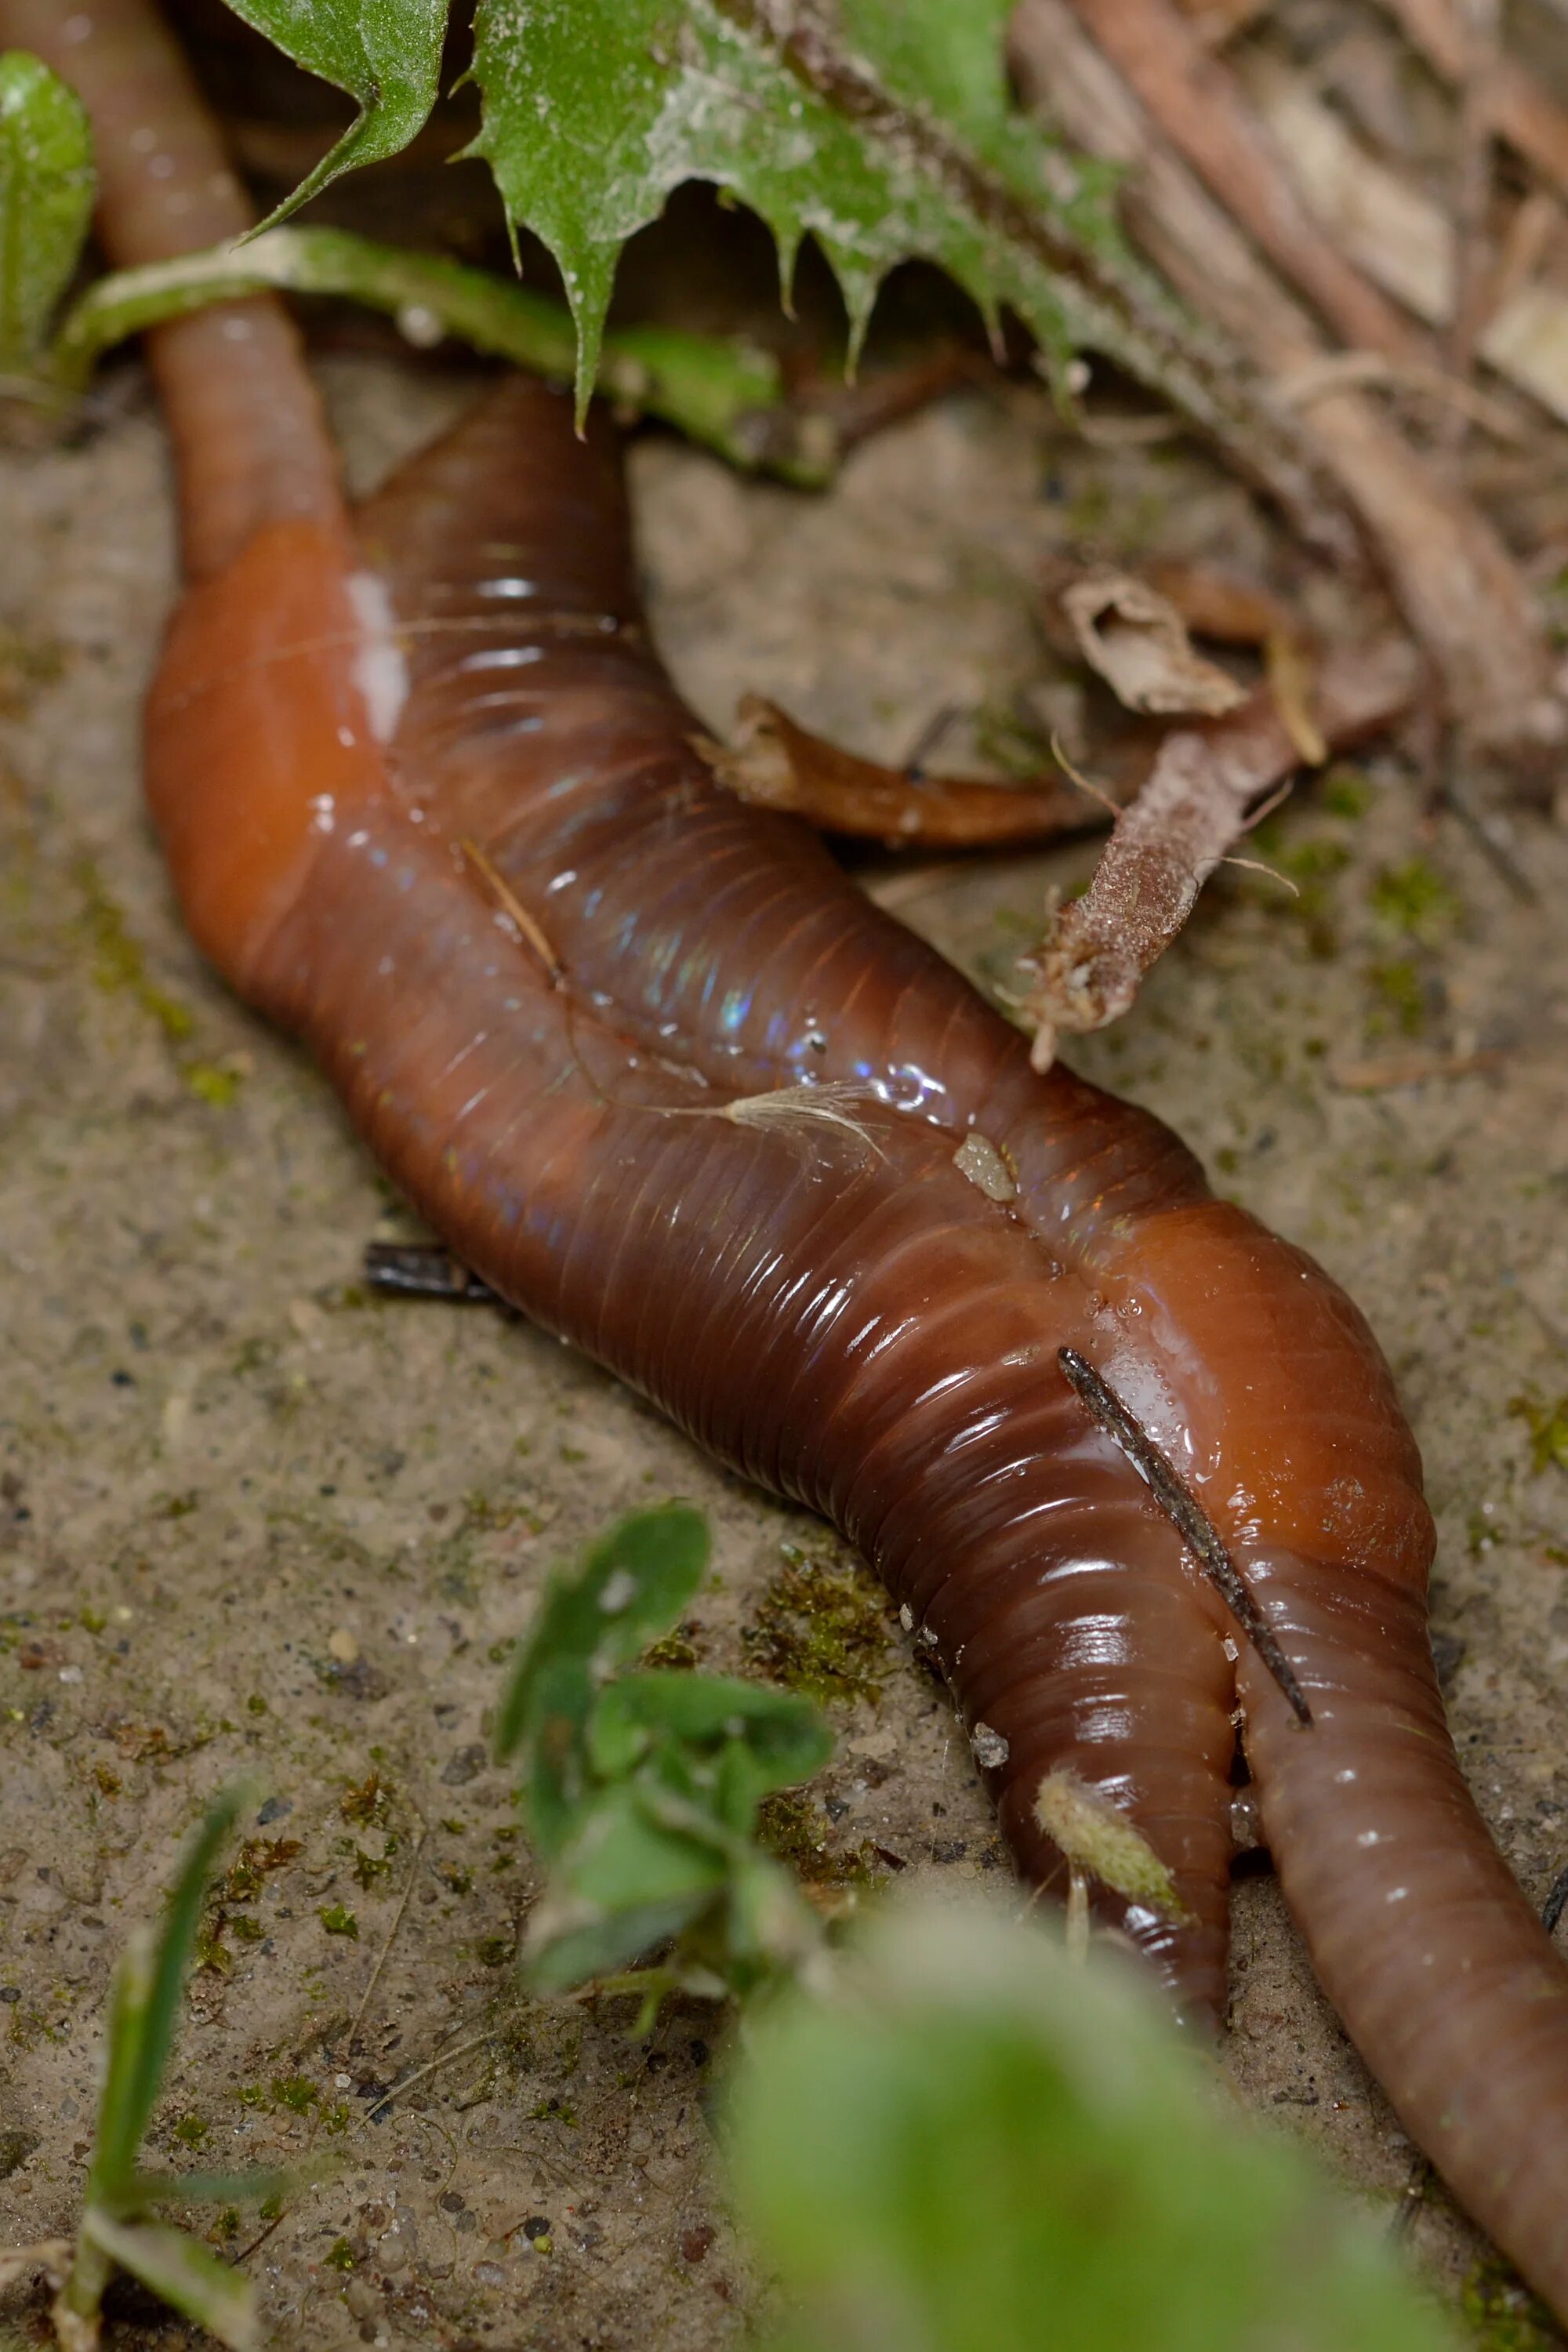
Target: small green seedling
[115, 2231]
[641, 1788]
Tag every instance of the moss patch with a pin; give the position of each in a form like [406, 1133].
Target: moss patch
[1547, 1426]
[1501, 2313]
[1414, 898]
[793, 1826]
[823, 1630]
[118, 965]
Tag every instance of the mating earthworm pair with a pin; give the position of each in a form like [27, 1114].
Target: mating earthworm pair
[390, 751]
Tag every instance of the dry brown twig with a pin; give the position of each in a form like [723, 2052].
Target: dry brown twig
[1459, 588]
[1519, 111]
[1204, 783]
[1203, 112]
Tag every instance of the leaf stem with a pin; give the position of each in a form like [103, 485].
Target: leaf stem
[726, 395]
[92, 2269]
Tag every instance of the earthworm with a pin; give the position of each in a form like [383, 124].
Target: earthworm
[652, 1067]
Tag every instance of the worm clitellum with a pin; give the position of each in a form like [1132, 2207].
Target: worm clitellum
[430, 801]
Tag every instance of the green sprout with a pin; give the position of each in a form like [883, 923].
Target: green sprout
[641, 1788]
[115, 2231]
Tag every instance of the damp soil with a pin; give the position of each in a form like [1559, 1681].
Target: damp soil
[256, 1520]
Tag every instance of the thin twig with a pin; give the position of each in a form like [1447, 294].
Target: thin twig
[386, 1948]
[1522, 112]
[1193, 1523]
[1457, 801]
[1336, 372]
[1556, 1901]
[433, 2066]
[1472, 192]
[1206, 778]
[511, 906]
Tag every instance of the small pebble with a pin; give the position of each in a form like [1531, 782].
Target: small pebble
[991, 1750]
[985, 1168]
[342, 1646]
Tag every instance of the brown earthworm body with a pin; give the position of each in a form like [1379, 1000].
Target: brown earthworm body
[669, 1083]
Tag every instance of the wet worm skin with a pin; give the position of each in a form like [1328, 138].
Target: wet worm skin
[430, 801]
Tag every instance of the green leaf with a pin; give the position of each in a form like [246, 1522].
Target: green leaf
[734, 1742]
[144, 2006]
[972, 2144]
[626, 1883]
[252, 2188]
[561, 1698]
[386, 54]
[46, 200]
[182, 2272]
[884, 130]
[630, 1585]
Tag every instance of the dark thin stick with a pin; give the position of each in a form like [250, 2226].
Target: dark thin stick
[1556, 1903]
[423, 1270]
[1182, 1507]
[1452, 796]
[926, 741]
[1412, 2197]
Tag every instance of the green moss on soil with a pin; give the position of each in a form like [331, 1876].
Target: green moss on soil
[1547, 1426]
[1502, 2315]
[793, 1826]
[823, 1629]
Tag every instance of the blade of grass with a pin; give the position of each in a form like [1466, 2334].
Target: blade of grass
[145, 2003]
[263, 2182]
[181, 2272]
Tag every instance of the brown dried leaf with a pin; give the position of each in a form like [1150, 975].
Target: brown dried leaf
[777, 764]
[1138, 642]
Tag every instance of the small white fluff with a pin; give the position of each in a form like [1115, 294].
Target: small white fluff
[379, 669]
[802, 1108]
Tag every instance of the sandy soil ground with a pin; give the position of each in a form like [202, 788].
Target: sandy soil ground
[253, 1520]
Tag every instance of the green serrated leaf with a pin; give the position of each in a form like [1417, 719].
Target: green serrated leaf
[883, 128]
[182, 2272]
[46, 200]
[144, 2006]
[386, 54]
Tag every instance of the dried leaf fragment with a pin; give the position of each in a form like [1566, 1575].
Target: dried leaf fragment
[776, 764]
[1137, 641]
